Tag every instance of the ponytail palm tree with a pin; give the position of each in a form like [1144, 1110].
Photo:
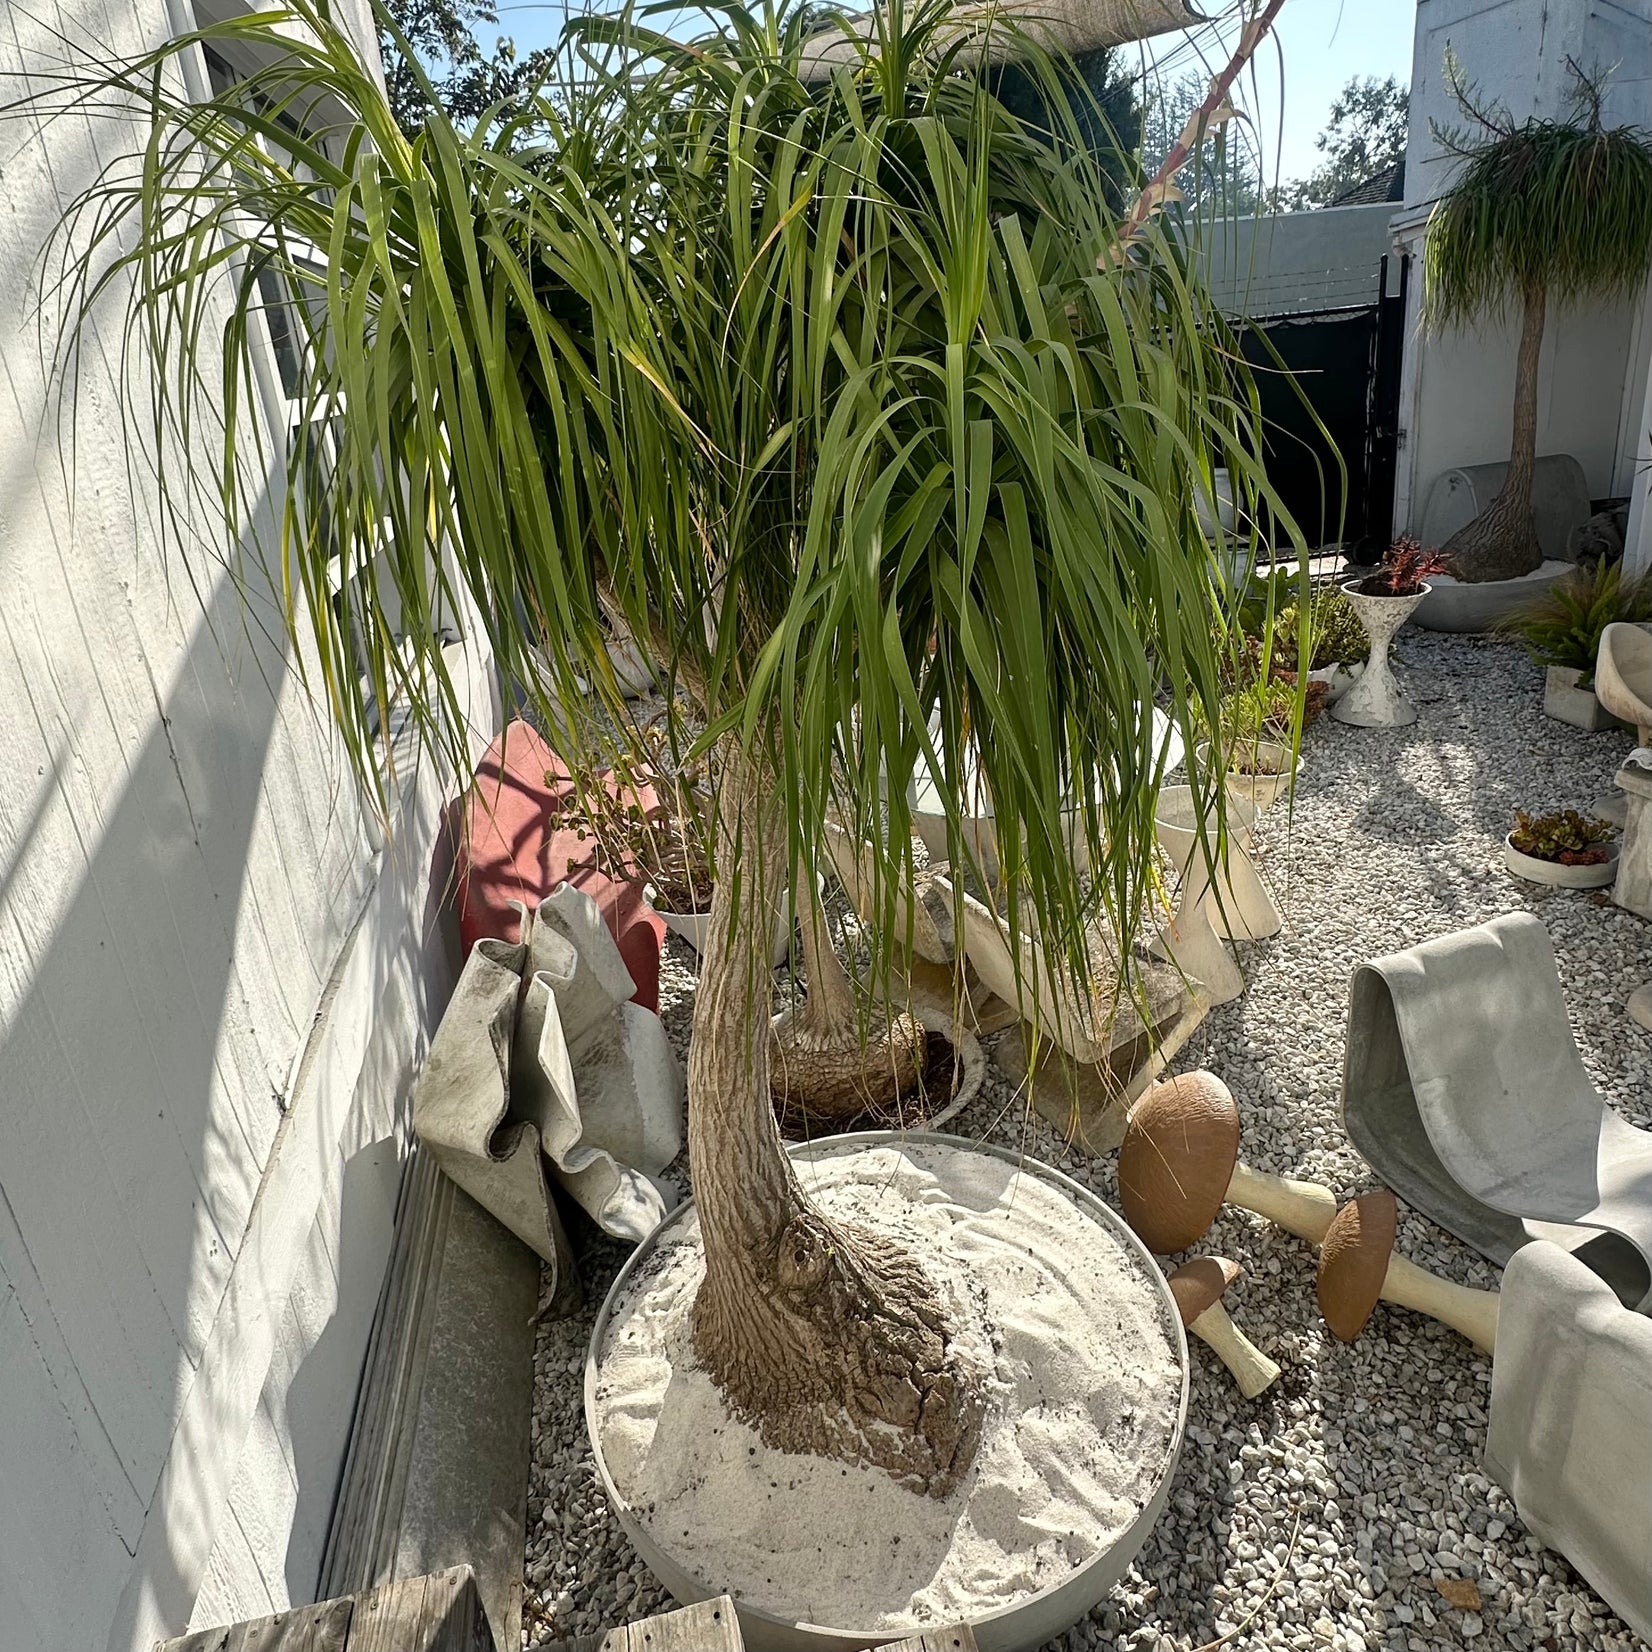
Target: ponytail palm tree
[1544, 211]
[839, 396]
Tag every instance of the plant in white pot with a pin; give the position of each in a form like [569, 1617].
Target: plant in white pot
[1563, 848]
[1383, 601]
[1562, 632]
[756, 365]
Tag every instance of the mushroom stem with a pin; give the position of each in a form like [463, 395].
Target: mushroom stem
[1252, 1369]
[1472, 1312]
[1303, 1208]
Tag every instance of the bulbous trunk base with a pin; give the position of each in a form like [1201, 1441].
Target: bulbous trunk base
[1500, 543]
[836, 1344]
[827, 1078]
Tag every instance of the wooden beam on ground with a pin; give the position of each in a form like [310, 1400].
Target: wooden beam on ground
[958, 1638]
[324, 1627]
[439, 1613]
[709, 1626]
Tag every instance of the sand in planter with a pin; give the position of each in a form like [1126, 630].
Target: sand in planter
[1084, 1392]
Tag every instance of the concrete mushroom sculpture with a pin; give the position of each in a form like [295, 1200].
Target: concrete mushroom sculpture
[1197, 1287]
[1179, 1163]
[1358, 1268]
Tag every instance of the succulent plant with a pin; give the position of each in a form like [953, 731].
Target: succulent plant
[1564, 837]
[1335, 634]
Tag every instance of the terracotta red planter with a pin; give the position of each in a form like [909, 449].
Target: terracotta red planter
[516, 839]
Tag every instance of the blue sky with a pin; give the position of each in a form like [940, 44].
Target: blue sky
[1321, 44]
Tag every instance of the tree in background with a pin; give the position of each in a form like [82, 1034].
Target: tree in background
[446, 59]
[1546, 209]
[1101, 103]
[1364, 136]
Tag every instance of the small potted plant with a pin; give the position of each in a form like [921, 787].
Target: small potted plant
[1564, 848]
[1383, 601]
[1259, 754]
[1337, 643]
[1561, 631]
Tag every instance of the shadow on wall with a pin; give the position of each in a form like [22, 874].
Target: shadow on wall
[131, 1132]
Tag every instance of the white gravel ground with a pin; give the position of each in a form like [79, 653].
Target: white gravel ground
[1368, 1454]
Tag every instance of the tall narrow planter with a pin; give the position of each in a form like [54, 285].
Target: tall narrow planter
[1375, 700]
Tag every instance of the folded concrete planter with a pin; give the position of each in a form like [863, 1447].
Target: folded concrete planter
[1594, 876]
[1567, 702]
[1453, 606]
[1048, 1286]
[1375, 701]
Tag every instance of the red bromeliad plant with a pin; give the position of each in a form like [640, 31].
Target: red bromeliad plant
[1404, 570]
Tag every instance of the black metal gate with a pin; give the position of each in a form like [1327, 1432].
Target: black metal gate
[1329, 384]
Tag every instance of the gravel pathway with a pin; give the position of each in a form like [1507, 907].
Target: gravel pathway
[1369, 1455]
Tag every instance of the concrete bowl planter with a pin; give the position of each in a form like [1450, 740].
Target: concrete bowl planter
[963, 1055]
[1338, 679]
[1025, 1622]
[1567, 702]
[1453, 606]
[1594, 876]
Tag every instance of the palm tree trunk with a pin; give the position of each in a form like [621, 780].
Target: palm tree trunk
[825, 1338]
[1501, 542]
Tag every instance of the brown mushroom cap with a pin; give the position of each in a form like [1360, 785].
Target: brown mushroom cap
[1197, 1284]
[1353, 1261]
[1180, 1147]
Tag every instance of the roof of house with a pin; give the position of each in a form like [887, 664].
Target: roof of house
[1387, 185]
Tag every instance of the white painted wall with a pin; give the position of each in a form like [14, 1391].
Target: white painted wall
[1456, 395]
[214, 984]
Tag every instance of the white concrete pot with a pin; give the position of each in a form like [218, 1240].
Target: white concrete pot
[1238, 904]
[1027, 1623]
[695, 928]
[1338, 679]
[1271, 778]
[1566, 702]
[970, 1068]
[1534, 870]
[1375, 701]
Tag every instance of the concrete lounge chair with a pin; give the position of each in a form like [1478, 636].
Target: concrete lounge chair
[1463, 1088]
[1570, 1432]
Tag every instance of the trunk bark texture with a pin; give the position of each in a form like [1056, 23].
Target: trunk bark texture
[1501, 542]
[824, 1338]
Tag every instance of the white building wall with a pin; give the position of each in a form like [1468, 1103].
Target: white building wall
[1457, 393]
[214, 983]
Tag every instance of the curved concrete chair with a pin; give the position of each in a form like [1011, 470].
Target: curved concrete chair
[1570, 1432]
[1463, 1088]
[1623, 676]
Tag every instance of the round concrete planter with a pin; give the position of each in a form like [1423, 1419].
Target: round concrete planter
[1027, 1623]
[1534, 870]
[1451, 606]
[1374, 700]
[1338, 679]
[1269, 781]
[971, 1066]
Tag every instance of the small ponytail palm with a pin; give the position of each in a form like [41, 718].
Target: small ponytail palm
[1546, 210]
[819, 389]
